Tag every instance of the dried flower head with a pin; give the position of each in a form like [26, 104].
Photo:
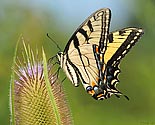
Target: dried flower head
[37, 99]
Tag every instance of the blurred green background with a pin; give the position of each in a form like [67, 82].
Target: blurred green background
[33, 19]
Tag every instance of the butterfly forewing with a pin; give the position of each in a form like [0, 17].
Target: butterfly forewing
[120, 42]
[94, 30]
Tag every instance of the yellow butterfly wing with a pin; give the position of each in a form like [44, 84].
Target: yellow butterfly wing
[119, 44]
[94, 30]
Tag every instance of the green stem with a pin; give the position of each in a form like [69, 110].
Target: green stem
[48, 85]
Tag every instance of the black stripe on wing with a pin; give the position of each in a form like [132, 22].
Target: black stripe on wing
[112, 68]
[127, 44]
[94, 30]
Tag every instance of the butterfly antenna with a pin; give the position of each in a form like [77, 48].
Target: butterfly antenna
[54, 41]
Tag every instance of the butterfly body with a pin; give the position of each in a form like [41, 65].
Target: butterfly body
[92, 55]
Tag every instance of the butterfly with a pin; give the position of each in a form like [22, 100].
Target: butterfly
[93, 54]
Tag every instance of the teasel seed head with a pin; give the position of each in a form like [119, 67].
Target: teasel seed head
[37, 98]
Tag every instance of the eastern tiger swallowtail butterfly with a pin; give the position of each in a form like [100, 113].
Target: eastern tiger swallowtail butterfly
[92, 54]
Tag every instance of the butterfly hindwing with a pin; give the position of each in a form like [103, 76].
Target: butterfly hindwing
[81, 64]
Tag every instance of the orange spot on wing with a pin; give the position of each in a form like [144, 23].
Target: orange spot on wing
[100, 95]
[91, 92]
[94, 83]
[96, 49]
